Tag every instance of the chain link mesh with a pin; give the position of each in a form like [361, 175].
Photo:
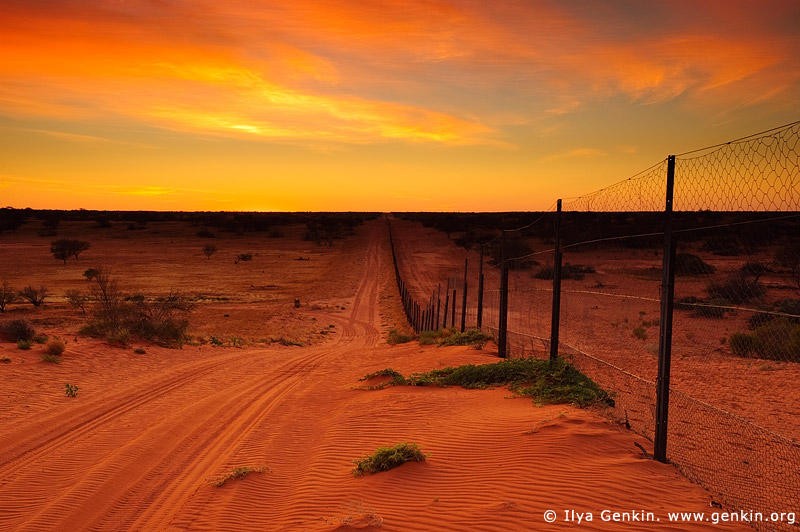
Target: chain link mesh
[736, 313]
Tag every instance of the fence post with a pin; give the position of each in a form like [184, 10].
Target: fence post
[446, 302]
[453, 318]
[502, 319]
[556, 312]
[480, 291]
[438, 304]
[665, 332]
[464, 300]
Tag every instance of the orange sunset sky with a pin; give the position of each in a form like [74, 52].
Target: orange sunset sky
[374, 105]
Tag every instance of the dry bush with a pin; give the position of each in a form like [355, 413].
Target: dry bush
[55, 347]
[7, 295]
[17, 330]
[35, 296]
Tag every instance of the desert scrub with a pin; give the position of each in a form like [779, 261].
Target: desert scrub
[473, 337]
[71, 390]
[452, 336]
[397, 379]
[777, 339]
[24, 344]
[386, 458]
[17, 330]
[396, 337]
[640, 333]
[55, 347]
[687, 264]
[546, 382]
[236, 474]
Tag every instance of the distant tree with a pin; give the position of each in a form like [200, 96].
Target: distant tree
[7, 295]
[209, 249]
[65, 248]
[35, 296]
[91, 273]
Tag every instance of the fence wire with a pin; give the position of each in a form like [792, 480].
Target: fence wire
[734, 417]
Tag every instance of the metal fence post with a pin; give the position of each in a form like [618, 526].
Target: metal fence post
[502, 319]
[446, 303]
[665, 332]
[464, 300]
[480, 291]
[556, 311]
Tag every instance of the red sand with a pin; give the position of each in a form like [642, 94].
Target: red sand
[135, 450]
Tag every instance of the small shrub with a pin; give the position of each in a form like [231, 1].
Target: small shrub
[386, 458]
[689, 264]
[139, 351]
[236, 474]
[753, 269]
[40, 339]
[397, 378]
[742, 344]
[428, 337]
[778, 339]
[712, 309]
[473, 337]
[119, 338]
[736, 289]
[71, 390]
[91, 273]
[17, 330]
[208, 250]
[243, 257]
[35, 296]
[395, 338]
[215, 341]
[54, 359]
[285, 342]
[640, 333]
[24, 344]
[55, 347]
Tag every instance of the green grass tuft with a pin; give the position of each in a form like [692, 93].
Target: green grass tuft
[545, 382]
[386, 458]
[236, 474]
[395, 338]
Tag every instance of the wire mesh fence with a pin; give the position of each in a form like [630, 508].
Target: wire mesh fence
[722, 337]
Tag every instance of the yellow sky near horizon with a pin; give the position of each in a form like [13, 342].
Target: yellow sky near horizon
[374, 105]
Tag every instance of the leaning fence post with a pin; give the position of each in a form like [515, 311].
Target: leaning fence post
[464, 300]
[502, 320]
[480, 290]
[556, 312]
[665, 332]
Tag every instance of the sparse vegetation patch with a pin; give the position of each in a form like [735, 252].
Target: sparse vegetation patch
[547, 383]
[386, 458]
[236, 474]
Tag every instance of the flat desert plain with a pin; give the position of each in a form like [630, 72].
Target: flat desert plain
[140, 445]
